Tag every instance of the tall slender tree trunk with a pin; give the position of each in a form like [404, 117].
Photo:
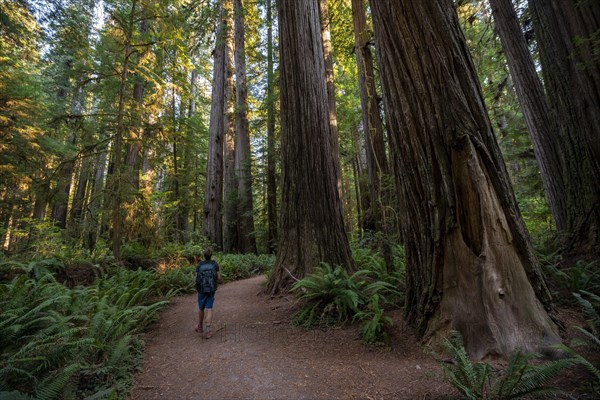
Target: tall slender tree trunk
[243, 155]
[543, 130]
[78, 203]
[61, 200]
[212, 223]
[567, 33]
[189, 169]
[470, 265]
[66, 171]
[134, 148]
[92, 221]
[377, 165]
[136, 133]
[176, 231]
[329, 73]
[357, 195]
[117, 211]
[41, 200]
[312, 223]
[271, 173]
[365, 221]
[230, 192]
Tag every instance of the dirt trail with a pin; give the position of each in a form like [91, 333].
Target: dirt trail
[259, 354]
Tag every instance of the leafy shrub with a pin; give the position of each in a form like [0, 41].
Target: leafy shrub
[133, 250]
[330, 295]
[176, 281]
[241, 266]
[69, 343]
[375, 323]
[481, 380]
[372, 266]
[193, 251]
[34, 269]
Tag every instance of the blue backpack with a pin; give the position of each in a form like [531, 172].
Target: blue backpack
[206, 277]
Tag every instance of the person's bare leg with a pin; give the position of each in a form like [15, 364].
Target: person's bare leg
[200, 318]
[207, 322]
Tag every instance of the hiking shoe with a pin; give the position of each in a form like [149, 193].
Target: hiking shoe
[198, 328]
[208, 335]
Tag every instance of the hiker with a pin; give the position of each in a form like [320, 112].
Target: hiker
[207, 277]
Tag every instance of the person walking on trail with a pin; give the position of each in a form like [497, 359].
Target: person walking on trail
[207, 277]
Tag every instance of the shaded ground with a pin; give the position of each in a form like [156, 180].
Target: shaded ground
[259, 354]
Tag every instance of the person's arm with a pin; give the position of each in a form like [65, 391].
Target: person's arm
[218, 273]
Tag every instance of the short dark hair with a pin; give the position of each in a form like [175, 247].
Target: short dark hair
[208, 253]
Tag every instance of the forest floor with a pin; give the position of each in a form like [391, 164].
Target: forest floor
[258, 353]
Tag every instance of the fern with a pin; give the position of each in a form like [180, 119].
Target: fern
[472, 380]
[581, 277]
[44, 326]
[522, 378]
[590, 335]
[481, 381]
[333, 290]
[375, 323]
[51, 388]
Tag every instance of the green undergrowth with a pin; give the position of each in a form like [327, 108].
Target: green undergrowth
[522, 377]
[60, 341]
[565, 280]
[525, 375]
[588, 340]
[241, 266]
[332, 295]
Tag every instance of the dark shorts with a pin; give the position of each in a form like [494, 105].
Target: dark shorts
[206, 300]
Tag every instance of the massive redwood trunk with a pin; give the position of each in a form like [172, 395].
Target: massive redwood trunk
[470, 265]
[567, 33]
[243, 155]
[312, 224]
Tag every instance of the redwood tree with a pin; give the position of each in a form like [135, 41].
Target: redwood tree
[230, 193]
[212, 225]
[271, 174]
[567, 33]
[243, 160]
[329, 76]
[542, 127]
[377, 165]
[312, 225]
[470, 265]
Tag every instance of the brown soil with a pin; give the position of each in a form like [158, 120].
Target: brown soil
[258, 353]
